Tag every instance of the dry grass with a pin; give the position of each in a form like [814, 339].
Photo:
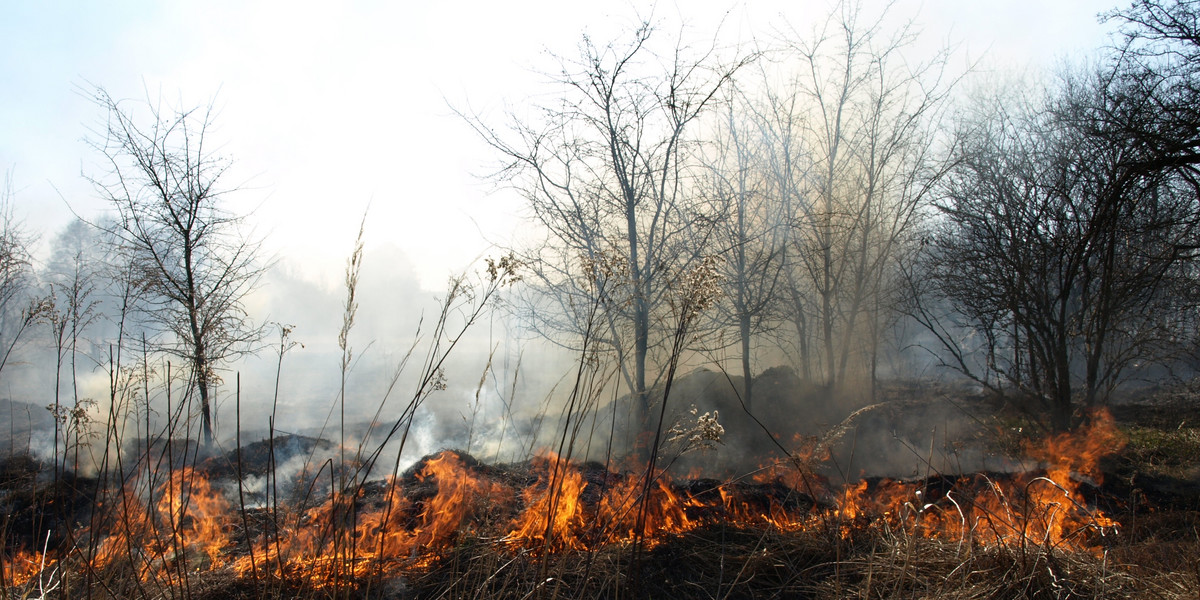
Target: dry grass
[734, 563]
[1156, 554]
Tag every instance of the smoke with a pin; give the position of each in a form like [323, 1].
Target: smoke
[488, 396]
[25, 428]
[504, 396]
[912, 429]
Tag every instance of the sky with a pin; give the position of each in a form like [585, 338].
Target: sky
[333, 110]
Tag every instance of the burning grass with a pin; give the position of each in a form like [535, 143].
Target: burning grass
[453, 527]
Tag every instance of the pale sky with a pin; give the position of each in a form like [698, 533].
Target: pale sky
[328, 107]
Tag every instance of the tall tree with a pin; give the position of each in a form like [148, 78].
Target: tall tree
[1064, 257]
[750, 233]
[852, 161]
[606, 169]
[192, 261]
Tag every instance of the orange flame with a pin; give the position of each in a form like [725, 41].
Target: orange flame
[188, 521]
[23, 566]
[346, 538]
[185, 523]
[1027, 508]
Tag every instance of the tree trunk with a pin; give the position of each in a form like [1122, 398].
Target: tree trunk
[205, 406]
[802, 333]
[827, 324]
[640, 349]
[1061, 414]
[744, 330]
[801, 326]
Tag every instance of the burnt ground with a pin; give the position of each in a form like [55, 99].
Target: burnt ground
[1151, 486]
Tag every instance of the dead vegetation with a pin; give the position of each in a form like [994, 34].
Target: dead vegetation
[798, 545]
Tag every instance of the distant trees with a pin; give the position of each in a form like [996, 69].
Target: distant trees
[1069, 228]
[867, 118]
[806, 183]
[1047, 243]
[1068, 257]
[750, 233]
[19, 310]
[607, 170]
[819, 178]
[192, 266]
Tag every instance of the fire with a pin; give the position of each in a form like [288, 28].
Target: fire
[23, 567]
[349, 536]
[184, 523]
[665, 511]
[555, 514]
[1045, 508]
[461, 495]
[196, 516]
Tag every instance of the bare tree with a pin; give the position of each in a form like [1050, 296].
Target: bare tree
[19, 310]
[1152, 84]
[750, 233]
[785, 157]
[607, 170]
[1064, 258]
[191, 259]
[852, 161]
[1068, 251]
[73, 309]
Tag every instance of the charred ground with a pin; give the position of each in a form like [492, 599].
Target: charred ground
[781, 529]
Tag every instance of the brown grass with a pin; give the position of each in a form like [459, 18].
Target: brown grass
[726, 562]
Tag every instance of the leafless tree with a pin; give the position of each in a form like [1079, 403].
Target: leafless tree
[607, 168]
[194, 265]
[786, 160]
[74, 307]
[1150, 89]
[1062, 257]
[19, 309]
[750, 233]
[1068, 251]
[853, 161]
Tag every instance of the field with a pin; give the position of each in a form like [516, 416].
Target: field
[1109, 511]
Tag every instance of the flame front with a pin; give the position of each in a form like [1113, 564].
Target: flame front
[1044, 507]
[185, 524]
[23, 567]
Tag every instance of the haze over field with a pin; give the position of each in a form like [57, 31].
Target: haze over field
[332, 112]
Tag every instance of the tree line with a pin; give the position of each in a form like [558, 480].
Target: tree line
[1038, 238]
[163, 276]
[826, 200]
